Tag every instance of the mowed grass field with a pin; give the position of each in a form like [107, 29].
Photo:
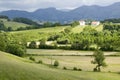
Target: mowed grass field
[59, 52]
[13, 24]
[79, 59]
[16, 68]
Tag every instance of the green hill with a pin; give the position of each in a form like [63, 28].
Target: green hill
[13, 24]
[37, 34]
[16, 68]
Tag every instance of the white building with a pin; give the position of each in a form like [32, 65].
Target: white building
[82, 23]
[95, 23]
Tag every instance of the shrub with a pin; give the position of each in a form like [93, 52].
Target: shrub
[75, 68]
[65, 68]
[109, 71]
[118, 72]
[56, 63]
[79, 69]
[40, 61]
[95, 70]
[33, 45]
[32, 58]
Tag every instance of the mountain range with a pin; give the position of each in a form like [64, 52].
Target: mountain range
[84, 12]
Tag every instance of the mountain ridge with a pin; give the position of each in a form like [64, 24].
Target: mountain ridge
[84, 12]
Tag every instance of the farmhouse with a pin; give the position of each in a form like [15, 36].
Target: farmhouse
[95, 23]
[82, 22]
[28, 43]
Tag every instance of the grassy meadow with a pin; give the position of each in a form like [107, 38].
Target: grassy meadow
[22, 68]
[79, 59]
[13, 24]
[16, 68]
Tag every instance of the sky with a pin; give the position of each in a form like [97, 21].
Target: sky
[32, 5]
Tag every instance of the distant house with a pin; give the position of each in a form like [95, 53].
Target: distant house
[28, 43]
[37, 43]
[82, 23]
[95, 23]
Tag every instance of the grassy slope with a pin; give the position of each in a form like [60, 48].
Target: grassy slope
[13, 24]
[15, 68]
[37, 34]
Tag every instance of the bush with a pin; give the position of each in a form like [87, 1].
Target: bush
[95, 70]
[33, 45]
[118, 72]
[32, 58]
[75, 68]
[79, 69]
[65, 68]
[40, 61]
[56, 63]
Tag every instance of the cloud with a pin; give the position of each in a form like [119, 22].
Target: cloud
[31, 5]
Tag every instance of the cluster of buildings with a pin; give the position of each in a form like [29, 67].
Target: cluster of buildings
[93, 23]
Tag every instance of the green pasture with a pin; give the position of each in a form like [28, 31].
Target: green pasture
[70, 59]
[16, 68]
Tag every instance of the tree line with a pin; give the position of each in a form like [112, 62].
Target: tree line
[11, 46]
[88, 39]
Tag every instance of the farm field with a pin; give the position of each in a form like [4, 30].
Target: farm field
[82, 62]
[63, 52]
[77, 59]
[17, 68]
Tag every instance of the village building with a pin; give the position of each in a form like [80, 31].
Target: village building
[95, 23]
[82, 23]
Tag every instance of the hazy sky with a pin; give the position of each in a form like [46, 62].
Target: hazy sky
[31, 5]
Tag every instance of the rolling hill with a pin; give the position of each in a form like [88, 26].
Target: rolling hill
[16, 68]
[85, 12]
